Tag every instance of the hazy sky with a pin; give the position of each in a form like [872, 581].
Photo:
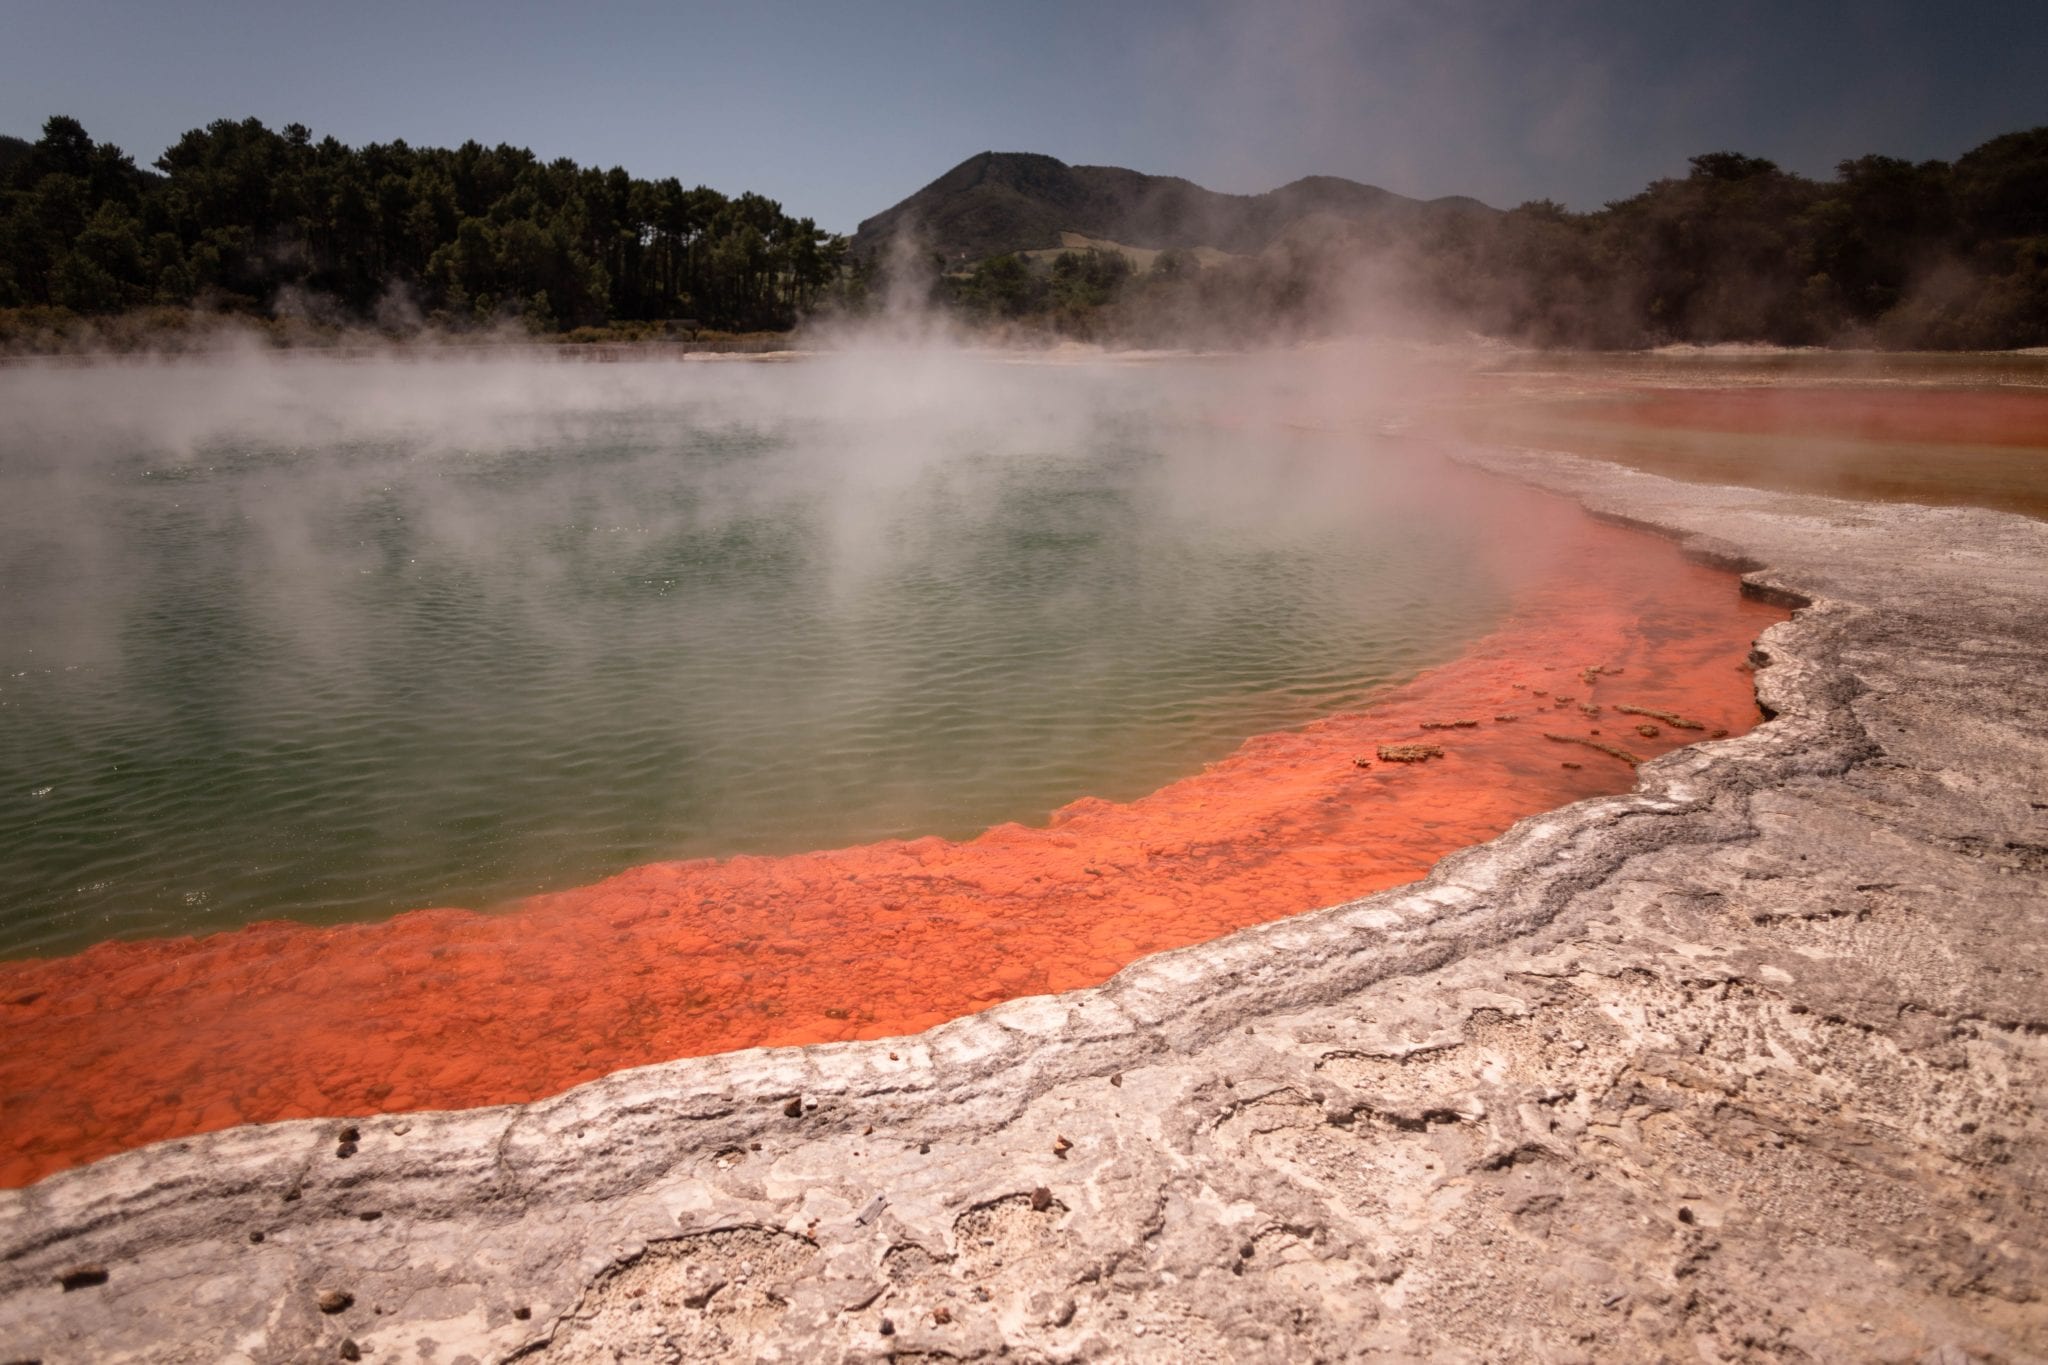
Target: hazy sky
[839, 108]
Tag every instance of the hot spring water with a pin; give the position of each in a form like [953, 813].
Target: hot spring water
[329, 639]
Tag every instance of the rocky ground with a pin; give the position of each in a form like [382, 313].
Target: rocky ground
[1745, 1065]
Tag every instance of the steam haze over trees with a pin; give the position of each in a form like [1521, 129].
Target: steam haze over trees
[239, 219]
[1889, 253]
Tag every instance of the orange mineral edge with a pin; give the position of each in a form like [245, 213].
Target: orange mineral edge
[128, 1043]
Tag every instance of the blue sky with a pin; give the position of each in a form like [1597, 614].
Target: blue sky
[840, 109]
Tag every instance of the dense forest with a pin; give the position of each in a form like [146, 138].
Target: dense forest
[1888, 253]
[238, 218]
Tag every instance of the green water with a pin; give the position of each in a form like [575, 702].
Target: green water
[331, 639]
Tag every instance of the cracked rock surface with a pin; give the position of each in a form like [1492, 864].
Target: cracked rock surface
[1744, 1065]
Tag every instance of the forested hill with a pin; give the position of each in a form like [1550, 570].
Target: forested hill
[1018, 201]
[1887, 253]
[240, 218]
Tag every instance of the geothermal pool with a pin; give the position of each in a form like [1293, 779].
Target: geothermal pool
[751, 704]
[330, 641]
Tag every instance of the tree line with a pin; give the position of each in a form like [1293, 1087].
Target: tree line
[237, 217]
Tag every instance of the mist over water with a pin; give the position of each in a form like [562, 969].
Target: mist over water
[328, 639]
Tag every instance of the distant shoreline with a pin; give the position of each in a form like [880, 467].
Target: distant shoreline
[27, 333]
[34, 335]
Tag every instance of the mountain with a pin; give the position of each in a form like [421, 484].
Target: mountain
[1000, 202]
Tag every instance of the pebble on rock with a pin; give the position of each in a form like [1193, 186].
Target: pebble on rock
[82, 1277]
[335, 1300]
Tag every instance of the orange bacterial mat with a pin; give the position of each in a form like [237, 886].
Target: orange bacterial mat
[128, 1043]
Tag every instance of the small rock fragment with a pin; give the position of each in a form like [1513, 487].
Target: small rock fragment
[335, 1300]
[941, 1315]
[349, 1134]
[1361, 763]
[1041, 1199]
[349, 1349]
[1675, 721]
[1505, 716]
[1060, 1147]
[888, 1328]
[1648, 731]
[1608, 749]
[794, 1109]
[522, 1312]
[1410, 753]
[1117, 1080]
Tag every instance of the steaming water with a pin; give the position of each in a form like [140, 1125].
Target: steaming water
[329, 639]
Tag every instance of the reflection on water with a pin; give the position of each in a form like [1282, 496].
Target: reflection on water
[330, 640]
